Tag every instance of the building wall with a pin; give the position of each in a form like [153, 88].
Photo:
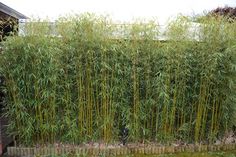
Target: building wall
[5, 138]
[7, 25]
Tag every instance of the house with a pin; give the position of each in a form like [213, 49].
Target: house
[9, 20]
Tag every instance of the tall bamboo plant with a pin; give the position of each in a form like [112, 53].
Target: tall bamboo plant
[91, 79]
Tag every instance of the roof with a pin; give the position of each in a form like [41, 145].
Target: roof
[11, 12]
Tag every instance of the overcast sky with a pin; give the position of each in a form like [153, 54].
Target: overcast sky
[120, 10]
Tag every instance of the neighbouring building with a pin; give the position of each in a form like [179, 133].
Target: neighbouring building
[9, 21]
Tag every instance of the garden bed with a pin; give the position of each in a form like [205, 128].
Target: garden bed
[114, 151]
[94, 85]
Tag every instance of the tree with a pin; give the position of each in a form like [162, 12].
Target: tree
[228, 12]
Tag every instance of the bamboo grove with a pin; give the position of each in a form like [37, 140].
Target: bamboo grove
[94, 78]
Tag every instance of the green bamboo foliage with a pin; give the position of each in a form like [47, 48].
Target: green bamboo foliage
[92, 78]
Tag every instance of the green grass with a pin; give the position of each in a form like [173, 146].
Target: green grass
[205, 154]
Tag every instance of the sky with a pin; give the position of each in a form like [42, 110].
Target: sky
[119, 10]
